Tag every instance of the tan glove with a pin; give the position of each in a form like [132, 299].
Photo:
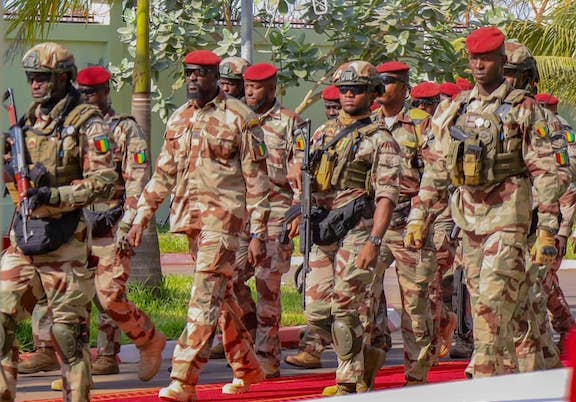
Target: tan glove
[121, 238]
[414, 236]
[544, 250]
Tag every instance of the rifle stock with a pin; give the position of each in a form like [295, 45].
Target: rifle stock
[18, 149]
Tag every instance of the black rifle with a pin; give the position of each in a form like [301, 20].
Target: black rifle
[306, 204]
[19, 165]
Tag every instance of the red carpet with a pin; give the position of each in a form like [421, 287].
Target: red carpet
[296, 388]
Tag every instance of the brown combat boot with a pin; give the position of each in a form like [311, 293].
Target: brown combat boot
[104, 365]
[43, 359]
[151, 357]
[305, 360]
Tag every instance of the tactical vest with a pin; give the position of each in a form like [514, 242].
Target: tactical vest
[336, 169]
[483, 151]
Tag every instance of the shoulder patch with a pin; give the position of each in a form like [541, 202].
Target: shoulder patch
[139, 157]
[570, 136]
[541, 128]
[102, 144]
[418, 114]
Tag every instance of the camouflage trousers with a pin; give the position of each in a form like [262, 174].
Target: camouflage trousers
[415, 270]
[335, 292]
[561, 316]
[116, 311]
[495, 268]
[212, 302]
[69, 286]
[268, 308]
[533, 336]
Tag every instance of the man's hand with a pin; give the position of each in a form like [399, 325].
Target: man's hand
[121, 239]
[134, 235]
[256, 251]
[414, 236]
[561, 242]
[368, 256]
[42, 196]
[295, 227]
[544, 250]
[294, 176]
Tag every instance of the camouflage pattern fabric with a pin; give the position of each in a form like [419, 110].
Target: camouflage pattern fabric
[495, 228]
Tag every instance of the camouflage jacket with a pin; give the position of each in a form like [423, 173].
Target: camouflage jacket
[76, 151]
[379, 149]
[278, 124]
[568, 199]
[505, 205]
[408, 129]
[213, 160]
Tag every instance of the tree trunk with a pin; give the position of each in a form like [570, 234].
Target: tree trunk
[146, 262]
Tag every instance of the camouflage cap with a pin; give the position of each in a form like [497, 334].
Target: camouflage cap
[233, 68]
[49, 57]
[518, 55]
[356, 72]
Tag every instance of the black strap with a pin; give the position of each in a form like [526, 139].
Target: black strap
[347, 130]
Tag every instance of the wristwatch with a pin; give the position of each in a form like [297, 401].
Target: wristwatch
[259, 236]
[377, 241]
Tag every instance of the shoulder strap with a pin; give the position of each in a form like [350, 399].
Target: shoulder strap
[347, 130]
[514, 97]
[115, 120]
[80, 115]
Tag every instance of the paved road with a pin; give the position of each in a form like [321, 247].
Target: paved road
[36, 386]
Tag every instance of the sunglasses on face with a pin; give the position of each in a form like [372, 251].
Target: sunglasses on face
[87, 91]
[388, 79]
[198, 72]
[38, 77]
[354, 89]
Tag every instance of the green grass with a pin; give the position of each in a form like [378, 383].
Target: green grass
[167, 307]
[570, 250]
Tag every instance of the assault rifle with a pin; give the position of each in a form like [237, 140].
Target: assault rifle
[306, 204]
[19, 165]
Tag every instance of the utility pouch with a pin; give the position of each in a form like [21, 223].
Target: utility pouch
[472, 163]
[45, 234]
[102, 223]
[455, 157]
[323, 173]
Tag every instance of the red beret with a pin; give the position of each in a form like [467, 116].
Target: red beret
[205, 58]
[464, 84]
[450, 89]
[260, 72]
[331, 93]
[393, 67]
[425, 90]
[546, 99]
[93, 76]
[485, 40]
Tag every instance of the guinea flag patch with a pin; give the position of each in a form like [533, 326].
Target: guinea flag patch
[139, 157]
[102, 144]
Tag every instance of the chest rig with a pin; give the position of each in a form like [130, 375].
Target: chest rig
[56, 146]
[483, 149]
[335, 166]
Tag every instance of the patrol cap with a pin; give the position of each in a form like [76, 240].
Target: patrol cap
[233, 68]
[484, 40]
[203, 58]
[450, 89]
[425, 90]
[393, 67]
[331, 93]
[546, 99]
[464, 84]
[93, 76]
[356, 72]
[260, 72]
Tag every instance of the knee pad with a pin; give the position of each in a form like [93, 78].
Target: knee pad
[346, 343]
[68, 339]
[7, 333]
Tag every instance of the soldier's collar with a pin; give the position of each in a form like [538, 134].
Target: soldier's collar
[275, 112]
[499, 93]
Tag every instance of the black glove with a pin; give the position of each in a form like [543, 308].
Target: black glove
[42, 196]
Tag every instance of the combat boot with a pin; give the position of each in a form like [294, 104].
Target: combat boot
[217, 351]
[242, 385]
[151, 357]
[43, 359]
[446, 335]
[104, 365]
[305, 360]
[179, 392]
[462, 349]
[346, 389]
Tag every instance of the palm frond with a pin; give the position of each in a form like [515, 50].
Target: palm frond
[557, 77]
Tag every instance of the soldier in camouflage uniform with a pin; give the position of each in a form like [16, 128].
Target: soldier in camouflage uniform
[493, 145]
[534, 344]
[331, 99]
[214, 161]
[113, 269]
[278, 124]
[415, 268]
[562, 319]
[232, 76]
[68, 144]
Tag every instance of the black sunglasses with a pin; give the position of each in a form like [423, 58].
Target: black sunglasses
[199, 72]
[388, 79]
[88, 91]
[354, 89]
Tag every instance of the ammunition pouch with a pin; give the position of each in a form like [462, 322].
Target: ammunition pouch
[102, 223]
[45, 234]
[324, 170]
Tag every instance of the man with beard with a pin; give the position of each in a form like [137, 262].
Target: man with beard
[214, 161]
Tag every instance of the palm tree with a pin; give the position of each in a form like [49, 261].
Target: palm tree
[31, 19]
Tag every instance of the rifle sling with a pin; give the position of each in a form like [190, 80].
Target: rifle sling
[345, 131]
